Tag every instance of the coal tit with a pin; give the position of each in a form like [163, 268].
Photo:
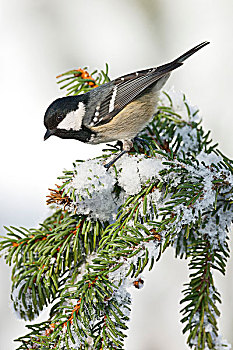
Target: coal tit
[115, 111]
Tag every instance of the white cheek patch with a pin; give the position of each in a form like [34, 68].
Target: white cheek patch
[73, 119]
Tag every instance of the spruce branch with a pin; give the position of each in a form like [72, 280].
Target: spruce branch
[201, 311]
[79, 80]
[173, 189]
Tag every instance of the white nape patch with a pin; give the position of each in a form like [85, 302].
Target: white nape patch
[73, 120]
[111, 104]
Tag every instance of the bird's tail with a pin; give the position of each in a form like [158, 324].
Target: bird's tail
[168, 67]
[189, 53]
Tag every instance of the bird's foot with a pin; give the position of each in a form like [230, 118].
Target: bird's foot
[139, 139]
[118, 146]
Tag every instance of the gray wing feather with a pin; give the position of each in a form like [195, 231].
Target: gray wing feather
[126, 92]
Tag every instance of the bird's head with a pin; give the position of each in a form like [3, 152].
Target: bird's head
[64, 117]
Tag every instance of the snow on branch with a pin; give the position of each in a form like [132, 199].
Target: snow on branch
[174, 188]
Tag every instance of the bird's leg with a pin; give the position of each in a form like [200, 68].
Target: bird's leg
[114, 159]
[126, 147]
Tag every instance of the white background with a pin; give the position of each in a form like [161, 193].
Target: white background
[42, 38]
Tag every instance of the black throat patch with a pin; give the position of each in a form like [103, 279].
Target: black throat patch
[83, 135]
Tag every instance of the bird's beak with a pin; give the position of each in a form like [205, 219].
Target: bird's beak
[48, 134]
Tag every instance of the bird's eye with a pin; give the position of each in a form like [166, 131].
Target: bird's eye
[59, 118]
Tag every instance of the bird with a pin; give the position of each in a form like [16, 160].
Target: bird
[115, 111]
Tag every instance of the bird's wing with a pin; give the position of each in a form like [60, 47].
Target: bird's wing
[126, 88]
